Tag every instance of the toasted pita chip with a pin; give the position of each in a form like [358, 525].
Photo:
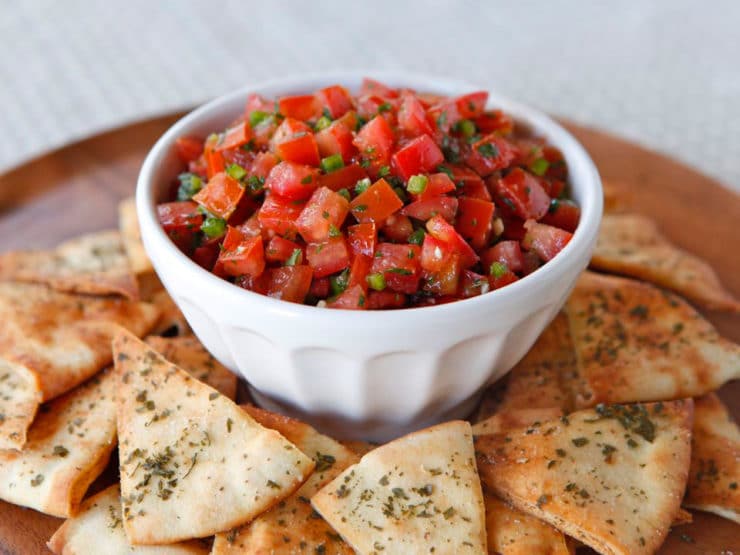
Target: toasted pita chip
[682, 517]
[612, 477]
[360, 447]
[68, 446]
[98, 528]
[64, 339]
[417, 493]
[635, 342]
[631, 245]
[512, 532]
[714, 480]
[92, 264]
[128, 224]
[292, 526]
[616, 196]
[20, 397]
[192, 462]
[190, 355]
[172, 322]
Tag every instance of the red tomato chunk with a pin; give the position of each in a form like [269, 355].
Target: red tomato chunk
[384, 200]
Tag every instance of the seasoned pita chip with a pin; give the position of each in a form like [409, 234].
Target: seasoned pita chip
[64, 339]
[128, 224]
[635, 342]
[714, 480]
[631, 245]
[92, 264]
[417, 493]
[192, 462]
[512, 532]
[68, 446]
[172, 322]
[292, 525]
[20, 397]
[98, 528]
[190, 355]
[612, 477]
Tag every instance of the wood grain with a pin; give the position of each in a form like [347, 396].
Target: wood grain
[77, 188]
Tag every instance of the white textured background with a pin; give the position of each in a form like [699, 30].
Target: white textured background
[663, 73]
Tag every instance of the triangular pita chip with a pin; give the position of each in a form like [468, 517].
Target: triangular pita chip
[292, 525]
[417, 494]
[64, 339]
[360, 447]
[20, 396]
[632, 245]
[612, 477]
[98, 528]
[171, 322]
[128, 224]
[714, 480]
[192, 462]
[635, 342]
[189, 354]
[92, 264]
[512, 532]
[68, 446]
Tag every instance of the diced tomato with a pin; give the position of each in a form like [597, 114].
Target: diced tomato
[279, 215]
[264, 131]
[421, 155]
[494, 121]
[327, 257]
[359, 269]
[251, 228]
[370, 86]
[397, 227]
[399, 264]
[385, 299]
[507, 252]
[472, 284]
[435, 254]
[491, 153]
[437, 184]
[497, 282]
[522, 193]
[336, 139]
[214, 159]
[235, 136]
[412, 118]
[294, 141]
[448, 112]
[320, 287]
[290, 283]
[349, 120]
[362, 238]
[323, 215]
[475, 221]
[557, 168]
[470, 182]
[263, 164]
[531, 262]
[189, 148]
[293, 181]
[238, 156]
[563, 214]
[443, 230]
[257, 284]
[444, 281]
[221, 195]
[425, 209]
[553, 187]
[206, 255]
[353, 298]
[471, 105]
[343, 178]
[248, 257]
[336, 99]
[257, 103]
[545, 240]
[375, 141]
[370, 106]
[303, 107]
[376, 203]
[279, 249]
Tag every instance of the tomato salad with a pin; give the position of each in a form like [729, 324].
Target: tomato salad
[388, 199]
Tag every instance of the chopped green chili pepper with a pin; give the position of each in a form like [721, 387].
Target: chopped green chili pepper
[417, 184]
[257, 117]
[376, 281]
[498, 269]
[332, 163]
[322, 123]
[213, 226]
[294, 258]
[190, 184]
[362, 185]
[236, 171]
[539, 166]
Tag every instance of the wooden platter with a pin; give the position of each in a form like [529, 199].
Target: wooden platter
[77, 189]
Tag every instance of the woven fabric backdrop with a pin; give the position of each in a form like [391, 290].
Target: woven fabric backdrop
[663, 73]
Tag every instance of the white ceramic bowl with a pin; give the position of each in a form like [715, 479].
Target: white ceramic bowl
[365, 374]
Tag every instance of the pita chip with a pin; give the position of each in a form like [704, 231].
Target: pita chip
[68, 446]
[171, 322]
[92, 264]
[192, 463]
[635, 342]
[64, 339]
[632, 245]
[20, 397]
[292, 526]
[98, 525]
[413, 494]
[616, 196]
[128, 224]
[359, 446]
[512, 532]
[612, 477]
[189, 354]
[714, 479]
